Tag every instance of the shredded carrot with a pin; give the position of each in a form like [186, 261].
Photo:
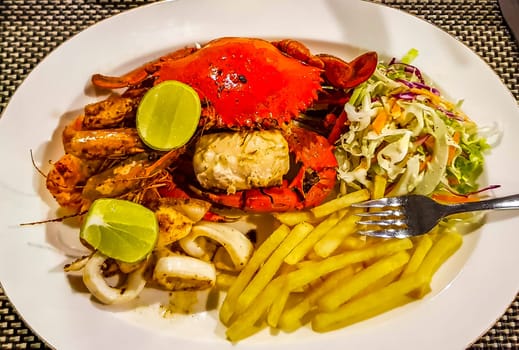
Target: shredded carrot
[380, 121]
[396, 110]
[434, 98]
[427, 160]
[452, 198]
[437, 100]
[429, 142]
[457, 137]
[453, 181]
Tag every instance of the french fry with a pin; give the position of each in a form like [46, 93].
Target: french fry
[362, 280]
[247, 322]
[314, 270]
[336, 235]
[440, 252]
[292, 218]
[340, 203]
[285, 268]
[258, 258]
[271, 266]
[325, 322]
[224, 280]
[448, 243]
[247, 330]
[379, 187]
[326, 274]
[384, 281]
[278, 304]
[353, 242]
[369, 305]
[304, 263]
[387, 247]
[311, 256]
[421, 249]
[292, 318]
[313, 237]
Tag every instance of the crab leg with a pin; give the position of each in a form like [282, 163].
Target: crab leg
[338, 72]
[139, 74]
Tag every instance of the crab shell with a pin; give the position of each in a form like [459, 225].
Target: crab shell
[246, 81]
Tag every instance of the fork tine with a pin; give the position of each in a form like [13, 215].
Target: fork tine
[384, 222]
[386, 233]
[382, 213]
[379, 203]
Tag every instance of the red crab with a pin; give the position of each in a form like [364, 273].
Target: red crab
[255, 84]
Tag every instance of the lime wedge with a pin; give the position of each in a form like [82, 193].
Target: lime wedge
[168, 115]
[120, 229]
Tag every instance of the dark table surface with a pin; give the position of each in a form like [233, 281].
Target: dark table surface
[29, 30]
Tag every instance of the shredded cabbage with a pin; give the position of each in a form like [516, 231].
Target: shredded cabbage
[402, 128]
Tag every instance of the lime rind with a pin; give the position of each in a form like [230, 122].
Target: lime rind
[120, 229]
[168, 115]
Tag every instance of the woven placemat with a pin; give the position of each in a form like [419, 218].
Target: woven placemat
[29, 30]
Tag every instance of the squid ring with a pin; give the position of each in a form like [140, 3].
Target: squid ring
[232, 240]
[98, 286]
[181, 272]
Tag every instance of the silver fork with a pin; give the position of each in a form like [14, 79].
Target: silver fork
[414, 215]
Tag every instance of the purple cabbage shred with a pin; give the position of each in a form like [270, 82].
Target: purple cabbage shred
[408, 68]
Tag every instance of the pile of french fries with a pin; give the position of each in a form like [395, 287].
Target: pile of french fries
[315, 269]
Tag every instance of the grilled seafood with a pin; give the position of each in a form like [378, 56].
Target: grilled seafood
[247, 82]
[105, 143]
[110, 113]
[99, 287]
[243, 83]
[66, 178]
[249, 87]
[311, 184]
[231, 161]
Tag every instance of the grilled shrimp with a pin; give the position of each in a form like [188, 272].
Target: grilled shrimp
[93, 142]
[110, 113]
[104, 143]
[65, 180]
[105, 129]
[117, 180]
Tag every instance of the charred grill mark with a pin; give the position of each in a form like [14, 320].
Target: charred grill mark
[311, 178]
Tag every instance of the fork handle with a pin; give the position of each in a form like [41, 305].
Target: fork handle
[508, 202]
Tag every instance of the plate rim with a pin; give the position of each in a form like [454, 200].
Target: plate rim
[141, 8]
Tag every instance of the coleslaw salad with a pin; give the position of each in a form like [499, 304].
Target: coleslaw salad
[400, 126]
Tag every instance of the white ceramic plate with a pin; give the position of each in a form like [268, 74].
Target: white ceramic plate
[470, 292]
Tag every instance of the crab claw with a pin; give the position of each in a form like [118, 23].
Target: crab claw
[298, 50]
[138, 75]
[347, 75]
[131, 78]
